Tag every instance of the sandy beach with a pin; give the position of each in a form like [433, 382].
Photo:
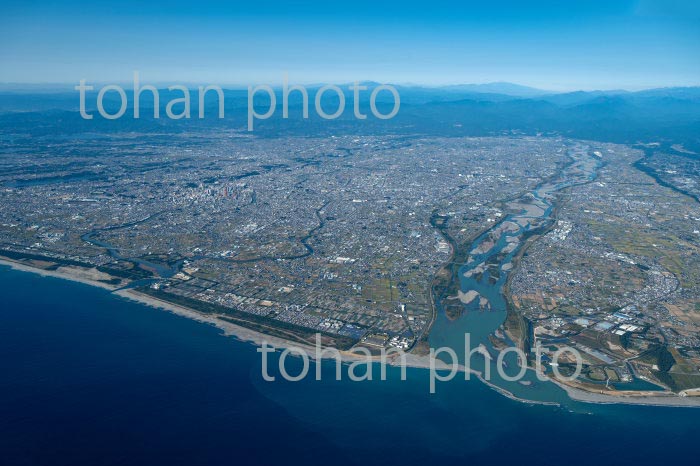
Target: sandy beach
[91, 277]
[67, 272]
[649, 399]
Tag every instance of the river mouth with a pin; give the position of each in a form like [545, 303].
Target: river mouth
[480, 280]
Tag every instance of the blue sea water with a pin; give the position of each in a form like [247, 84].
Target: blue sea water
[87, 379]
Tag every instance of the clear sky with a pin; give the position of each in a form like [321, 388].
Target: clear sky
[557, 45]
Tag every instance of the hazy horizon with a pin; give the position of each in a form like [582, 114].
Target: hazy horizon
[127, 85]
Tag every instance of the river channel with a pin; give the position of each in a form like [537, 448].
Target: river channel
[483, 276]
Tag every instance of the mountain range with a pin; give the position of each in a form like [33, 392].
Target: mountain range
[667, 114]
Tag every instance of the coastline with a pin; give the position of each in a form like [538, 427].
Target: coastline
[241, 333]
[258, 338]
[87, 277]
[66, 272]
[675, 401]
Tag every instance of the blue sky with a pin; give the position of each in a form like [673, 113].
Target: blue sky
[558, 45]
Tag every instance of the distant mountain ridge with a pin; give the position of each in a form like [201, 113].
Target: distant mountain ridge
[671, 114]
[505, 88]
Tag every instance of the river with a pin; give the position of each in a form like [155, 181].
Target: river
[484, 274]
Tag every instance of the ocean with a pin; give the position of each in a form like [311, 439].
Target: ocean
[88, 378]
